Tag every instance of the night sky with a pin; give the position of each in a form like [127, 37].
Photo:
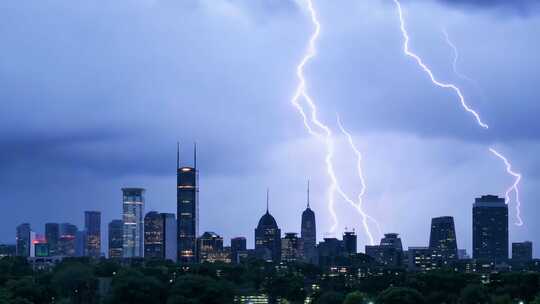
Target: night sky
[95, 94]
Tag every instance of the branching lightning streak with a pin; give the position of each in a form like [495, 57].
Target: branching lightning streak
[428, 71]
[514, 187]
[456, 58]
[324, 132]
[358, 206]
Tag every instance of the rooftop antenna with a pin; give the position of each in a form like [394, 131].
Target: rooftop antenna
[267, 198]
[195, 155]
[177, 154]
[308, 193]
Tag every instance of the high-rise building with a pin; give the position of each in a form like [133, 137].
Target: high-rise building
[170, 237]
[160, 236]
[67, 244]
[187, 204]
[92, 225]
[210, 246]
[522, 252]
[116, 239]
[442, 240]
[133, 209]
[390, 251]
[238, 245]
[268, 237]
[154, 236]
[292, 248]
[349, 242]
[490, 229]
[23, 240]
[52, 235]
[308, 233]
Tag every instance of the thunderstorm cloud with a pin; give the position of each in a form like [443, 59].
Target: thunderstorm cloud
[95, 95]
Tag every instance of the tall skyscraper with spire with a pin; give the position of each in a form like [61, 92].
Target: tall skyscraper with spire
[187, 204]
[268, 237]
[309, 233]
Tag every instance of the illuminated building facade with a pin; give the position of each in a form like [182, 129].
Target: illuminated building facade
[116, 239]
[92, 225]
[490, 229]
[133, 223]
[160, 236]
[187, 210]
[209, 246]
[442, 240]
[292, 249]
[420, 259]
[154, 236]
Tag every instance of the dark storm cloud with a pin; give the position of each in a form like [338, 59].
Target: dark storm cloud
[518, 7]
[94, 96]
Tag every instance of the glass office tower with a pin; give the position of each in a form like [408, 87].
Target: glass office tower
[132, 216]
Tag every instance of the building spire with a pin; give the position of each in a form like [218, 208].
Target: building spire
[308, 193]
[195, 155]
[177, 155]
[267, 199]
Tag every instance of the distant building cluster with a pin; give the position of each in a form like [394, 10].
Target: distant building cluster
[176, 237]
[61, 239]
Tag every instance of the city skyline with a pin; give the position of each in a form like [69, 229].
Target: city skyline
[90, 120]
[162, 235]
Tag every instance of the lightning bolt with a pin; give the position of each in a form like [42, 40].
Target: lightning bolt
[321, 131]
[358, 206]
[428, 71]
[514, 187]
[517, 176]
[456, 58]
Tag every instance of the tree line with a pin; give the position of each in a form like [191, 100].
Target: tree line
[86, 281]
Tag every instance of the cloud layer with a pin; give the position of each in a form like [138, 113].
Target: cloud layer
[95, 96]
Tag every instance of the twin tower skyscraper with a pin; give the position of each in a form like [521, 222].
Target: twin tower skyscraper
[187, 208]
